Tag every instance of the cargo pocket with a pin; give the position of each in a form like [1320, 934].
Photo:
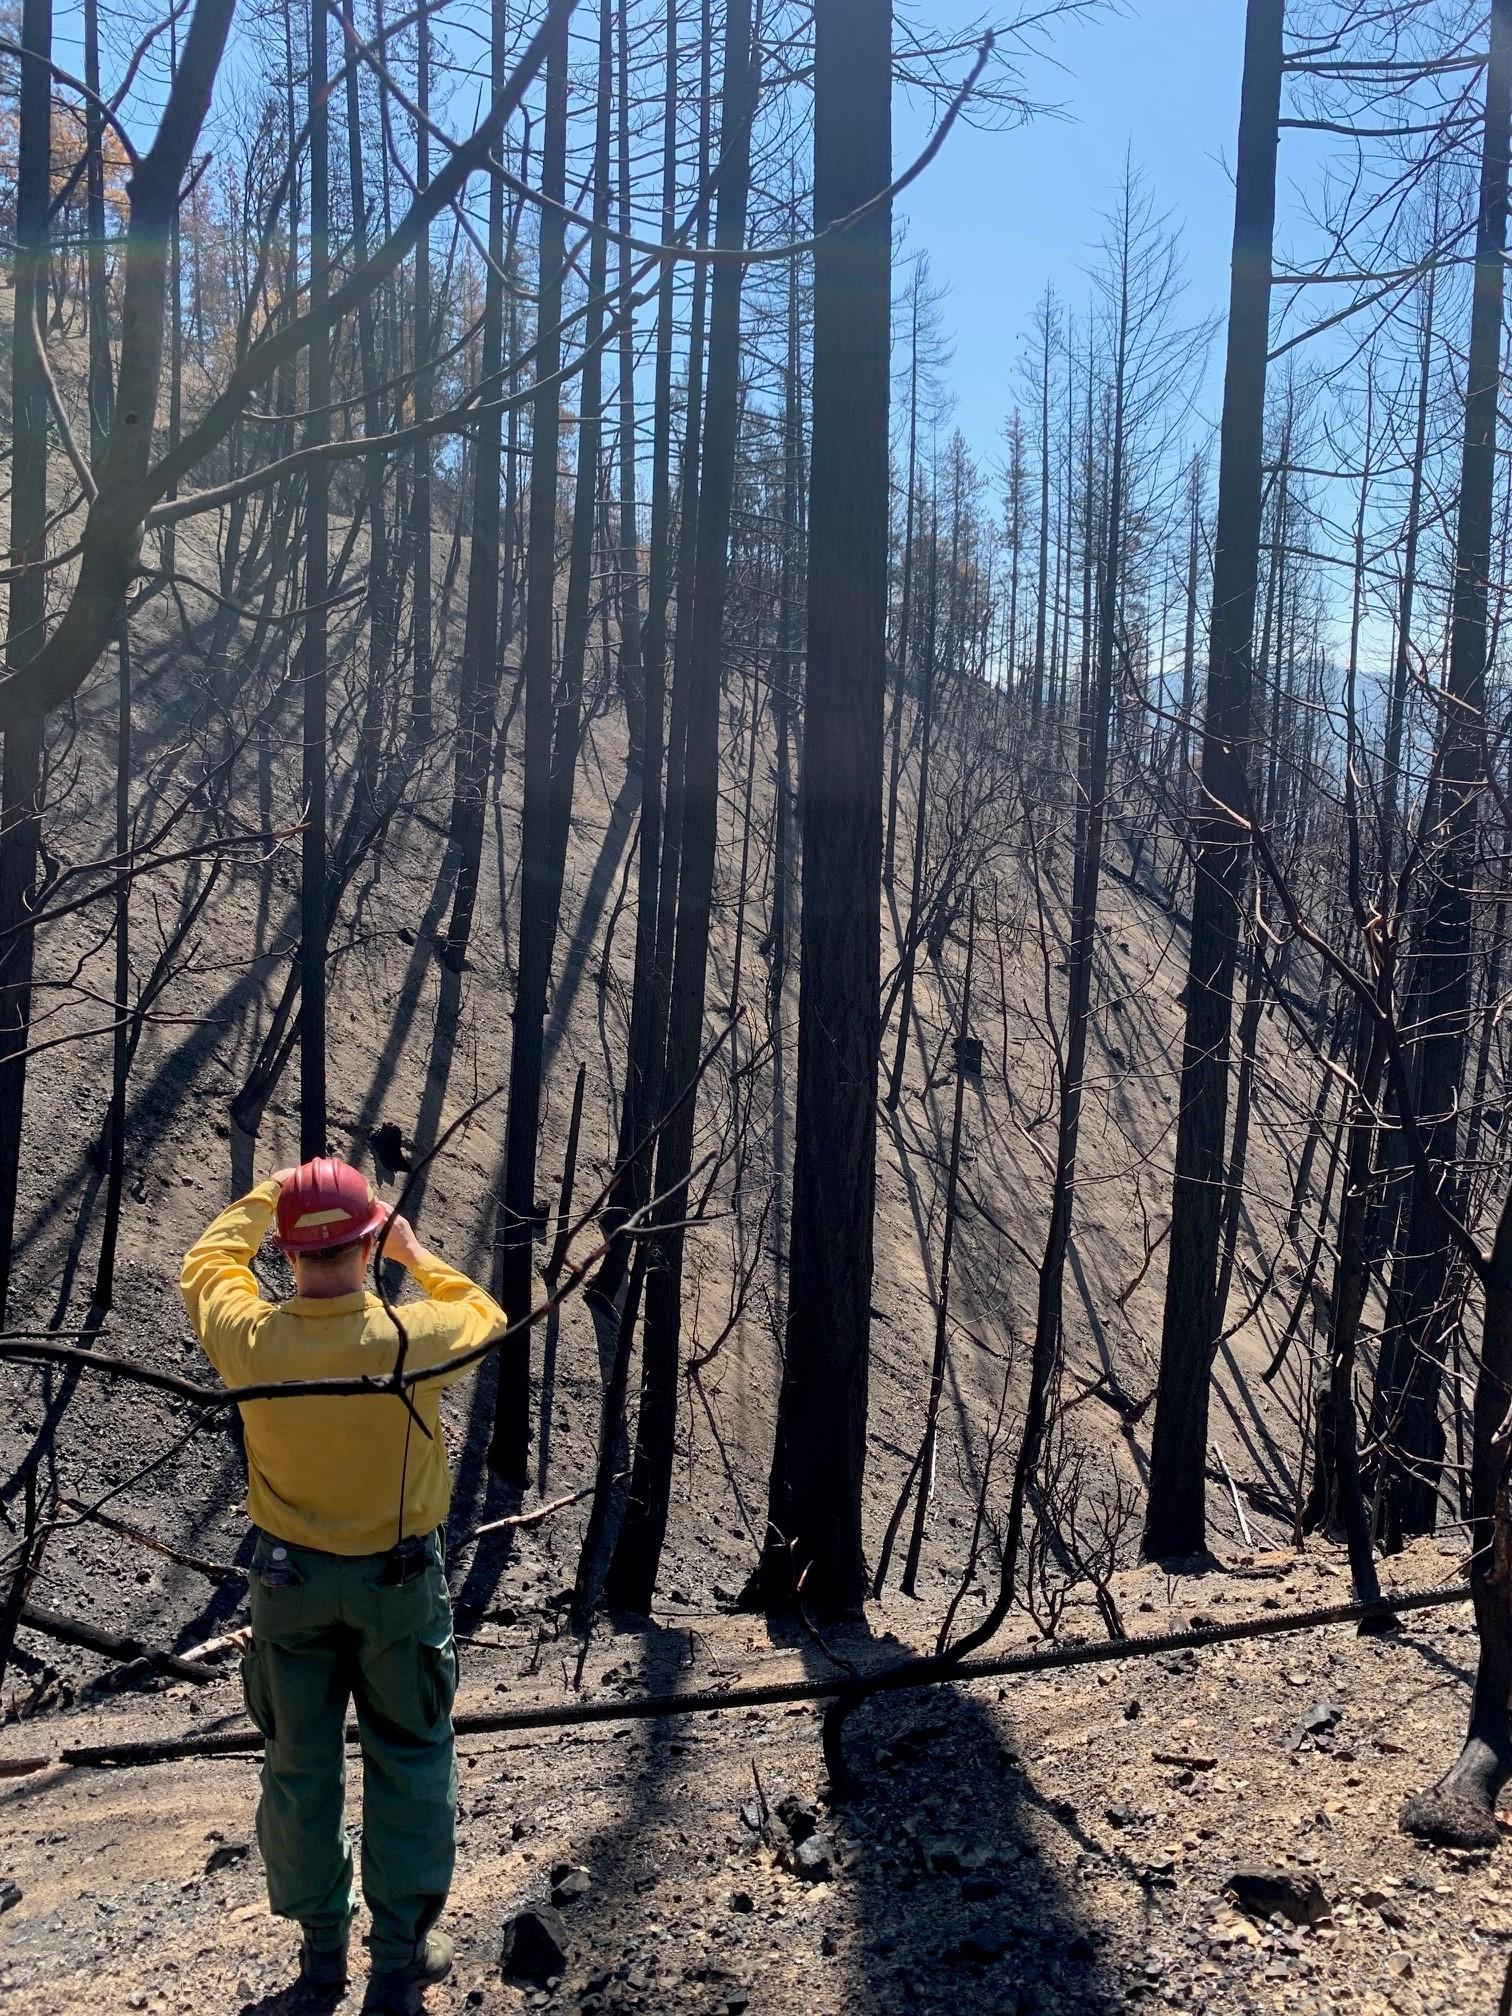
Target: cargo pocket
[255, 1690]
[438, 1679]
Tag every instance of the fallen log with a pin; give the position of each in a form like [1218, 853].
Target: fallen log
[895, 1675]
[110, 1644]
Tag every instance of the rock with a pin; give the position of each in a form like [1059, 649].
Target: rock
[229, 1852]
[1319, 1719]
[569, 1881]
[813, 1859]
[1389, 1913]
[980, 1888]
[1263, 1892]
[743, 1901]
[983, 1946]
[943, 1852]
[536, 1946]
[799, 1816]
[10, 1893]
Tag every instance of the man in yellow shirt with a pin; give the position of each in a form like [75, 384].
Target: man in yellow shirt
[348, 1585]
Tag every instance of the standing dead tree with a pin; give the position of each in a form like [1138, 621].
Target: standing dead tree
[1175, 1519]
[813, 1535]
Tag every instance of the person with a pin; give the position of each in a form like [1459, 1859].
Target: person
[348, 1495]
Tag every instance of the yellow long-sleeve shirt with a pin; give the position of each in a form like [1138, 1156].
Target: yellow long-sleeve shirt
[325, 1470]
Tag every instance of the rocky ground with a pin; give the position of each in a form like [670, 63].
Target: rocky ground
[1068, 1842]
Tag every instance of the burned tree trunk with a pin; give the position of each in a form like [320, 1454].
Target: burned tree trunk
[908, 952]
[1042, 598]
[101, 380]
[481, 649]
[632, 1574]
[585, 494]
[814, 1504]
[21, 777]
[661, 763]
[785, 684]
[121, 1040]
[1460, 1811]
[1410, 1376]
[313, 855]
[383, 593]
[627, 572]
[423, 667]
[1176, 1515]
[509, 1447]
[905, 599]
[926, 1463]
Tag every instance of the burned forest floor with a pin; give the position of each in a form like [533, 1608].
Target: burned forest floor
[1059, 1843]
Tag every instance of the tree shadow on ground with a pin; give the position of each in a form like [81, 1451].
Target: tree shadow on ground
[943, 1895]
[947, 1843]
[407, 1001]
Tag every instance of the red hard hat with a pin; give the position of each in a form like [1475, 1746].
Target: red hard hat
[326, 1203]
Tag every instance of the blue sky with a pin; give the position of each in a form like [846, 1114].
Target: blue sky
[1002, 213]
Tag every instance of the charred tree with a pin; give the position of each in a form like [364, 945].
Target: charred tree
[1410, 1374]
[21, 778]
[814, 1504]
[905, 599]
[101, 382]
[926, 1462]
[637, 1553]
[422, 663]
[314, 866]
[1176, 1516]
[662, 758]
[509, 1446]
[585, 494]
[481, 654]
[627, 572]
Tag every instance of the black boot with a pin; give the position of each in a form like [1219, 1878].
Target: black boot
[322, 1971]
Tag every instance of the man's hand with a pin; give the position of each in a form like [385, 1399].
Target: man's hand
[402, 1246]
[282, 1176]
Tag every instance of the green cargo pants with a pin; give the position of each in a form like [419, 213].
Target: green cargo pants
[326, 1629]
